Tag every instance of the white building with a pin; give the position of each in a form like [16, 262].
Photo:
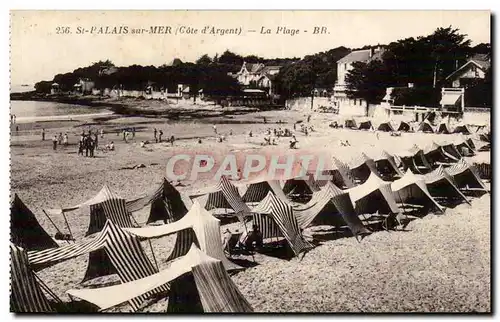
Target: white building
[258, 76]
[344, 65]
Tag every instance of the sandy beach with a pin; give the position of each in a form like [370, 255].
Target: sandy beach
[440, 263]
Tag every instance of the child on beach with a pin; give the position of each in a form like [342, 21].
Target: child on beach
[65, 139]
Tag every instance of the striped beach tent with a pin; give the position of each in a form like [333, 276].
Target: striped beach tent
[361, 166]
[350, 124]
[375, 195]
[404, 127]
[385, 163]
[276, 218]
[197, 226]
[462, 128]
[415, 160]
[106, 205]
[444, 126]
[122, 249]
[450, 151]
[216, 292]
[365, 125]
[163, 203]
[26, 295]
[412, 189]
[426, 127]
[224, 195]
[300, 186]
[25, 230]
[348, 179]
[442, 185]
[258, 189]
[463, 146]
[433, 153]
[466, 175]
[330, 206]
[385, 127]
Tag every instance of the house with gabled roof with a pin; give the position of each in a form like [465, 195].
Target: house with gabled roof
[344, 65]
[475, 68]
[258, 75]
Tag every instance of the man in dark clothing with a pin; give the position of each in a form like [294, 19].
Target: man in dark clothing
[86, 145]
[133, 132]
[43, 134]
[160, 134]
[156, 137]
[96, 140]
[254, 236]
[91, 147]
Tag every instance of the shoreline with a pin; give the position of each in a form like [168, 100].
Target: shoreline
[128, 106]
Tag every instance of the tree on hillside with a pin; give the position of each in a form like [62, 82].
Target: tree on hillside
[368, 81]
[230, 58]
[298, 78]
[446, 46]
[204, 60]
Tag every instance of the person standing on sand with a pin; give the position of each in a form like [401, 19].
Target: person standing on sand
[60, 139]
[43, 134]
[124, 135]
[96, 140]
[65, 139]
[80, 147]
[86, 145]
[54, 142]
[156, 137]
[172, 139]
[92, 146]
[17, 128]
[133, 132]
[215, 129]
[102, 134]
[160, 135]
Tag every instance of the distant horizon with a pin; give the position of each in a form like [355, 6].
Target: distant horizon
[33, 37]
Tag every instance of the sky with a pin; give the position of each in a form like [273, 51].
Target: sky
[38, 51]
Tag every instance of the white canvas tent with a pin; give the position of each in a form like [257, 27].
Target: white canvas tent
[375, 195]
[197, 225]
[412, 188]
[216, 290]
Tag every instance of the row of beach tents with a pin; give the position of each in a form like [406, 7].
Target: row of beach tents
[444, 126]
[429, 178]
